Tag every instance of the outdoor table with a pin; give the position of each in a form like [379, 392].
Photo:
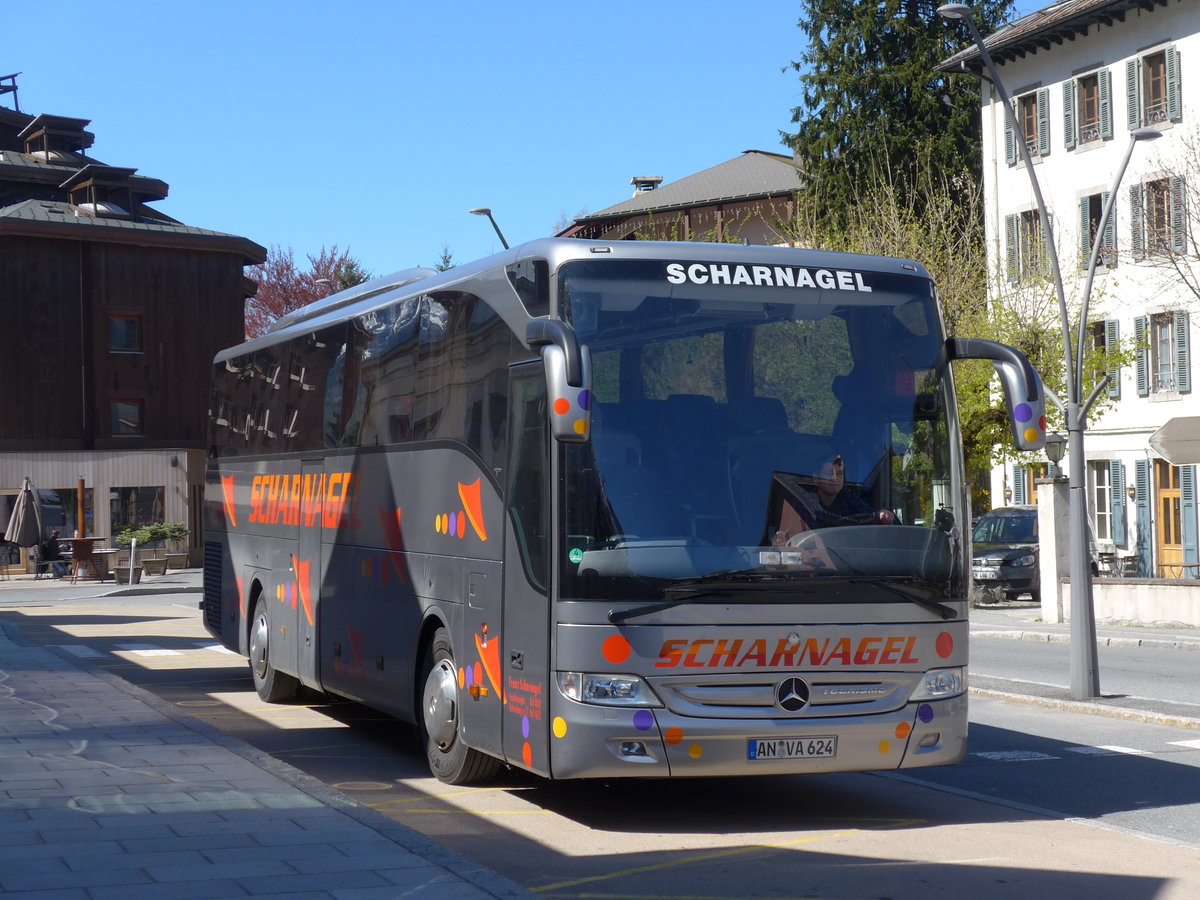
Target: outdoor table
[83, 554]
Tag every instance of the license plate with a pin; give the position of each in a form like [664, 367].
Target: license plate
[791, 748]
[984, 574]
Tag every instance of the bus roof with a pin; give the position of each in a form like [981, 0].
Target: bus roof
[387, 289]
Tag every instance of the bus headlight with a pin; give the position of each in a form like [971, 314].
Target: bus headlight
[940, 683]
[607, 690]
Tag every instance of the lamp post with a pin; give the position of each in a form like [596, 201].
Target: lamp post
[1056, 446]
[1085, 677]
[484, 211]
[326, 283]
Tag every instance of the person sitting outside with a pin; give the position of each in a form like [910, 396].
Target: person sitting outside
[51, 553]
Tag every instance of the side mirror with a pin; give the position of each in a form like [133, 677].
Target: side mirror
[1023, 391]
[568, 379]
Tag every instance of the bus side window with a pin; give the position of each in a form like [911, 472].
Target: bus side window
[528, 505]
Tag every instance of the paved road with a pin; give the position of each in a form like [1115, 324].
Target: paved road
[1022, 816]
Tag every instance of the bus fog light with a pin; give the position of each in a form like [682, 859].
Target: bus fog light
[931, 739]
[633, 748]
[607, 690]
[939, 683]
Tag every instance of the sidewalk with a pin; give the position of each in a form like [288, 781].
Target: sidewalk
[107, 792]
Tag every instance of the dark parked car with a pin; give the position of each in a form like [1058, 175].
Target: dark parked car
[1006, 551]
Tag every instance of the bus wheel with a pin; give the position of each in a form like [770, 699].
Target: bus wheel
[450, 759]
[272, 685]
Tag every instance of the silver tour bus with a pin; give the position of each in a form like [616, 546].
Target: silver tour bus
[611, 509]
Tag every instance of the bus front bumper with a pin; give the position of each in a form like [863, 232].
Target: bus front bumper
[604, 742]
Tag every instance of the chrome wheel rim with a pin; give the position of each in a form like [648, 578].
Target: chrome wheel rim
[259, 635]
[440, 704]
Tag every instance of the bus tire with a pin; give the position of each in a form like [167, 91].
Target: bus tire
[450, 760]
[272, 685]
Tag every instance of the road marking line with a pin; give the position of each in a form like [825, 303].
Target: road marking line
[215, 648]
[1109, 750]
[147, 650]
[1191, 745]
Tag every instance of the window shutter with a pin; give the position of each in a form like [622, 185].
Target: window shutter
[1183, 374]
[1043, 122]
[1020, 485]
[1178, 215]
[1112, 338]
[1141, 503]
[1010, 239]
[1044, 238]
[1010, 141]
[1174, 104]
[1187, 516]
[1141, 325]
[1137, 238]
[1116, 499]
[1132, 113]
[1110, 233]
[1104, 83]
[1085, 231]
[1069, 114]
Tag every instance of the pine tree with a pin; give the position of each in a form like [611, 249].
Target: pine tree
[875, 109]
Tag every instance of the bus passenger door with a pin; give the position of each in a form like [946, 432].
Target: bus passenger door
[308, 568]
[525, 651]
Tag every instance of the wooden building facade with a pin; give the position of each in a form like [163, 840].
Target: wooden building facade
[112, 313]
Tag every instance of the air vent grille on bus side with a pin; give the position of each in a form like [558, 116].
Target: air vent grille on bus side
[212, 585]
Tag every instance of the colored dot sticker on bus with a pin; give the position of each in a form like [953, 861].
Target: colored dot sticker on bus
[885, 746]
[562, 406]
[903, 730]
[616, 649]
[673, 736]
[695, 751]
[1022, 412]
[944, 645]
[559, 726]
[643, 720]
[925, 713]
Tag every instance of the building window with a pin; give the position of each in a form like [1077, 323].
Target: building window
[129, 507]
[127, 417]
[1087, 109]
[1152, 88]
[1100, 500]
[125, 333]
[1091, 208]
[1033, 117]
[1028, 254]
[1106, 343]
[1163, 363]
[1158, 217]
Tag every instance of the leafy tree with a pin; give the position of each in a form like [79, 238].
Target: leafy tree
[283, 287]
[873, 105]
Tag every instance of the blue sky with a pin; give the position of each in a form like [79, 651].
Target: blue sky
[376, 126]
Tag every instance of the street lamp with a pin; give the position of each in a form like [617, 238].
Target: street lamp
[325, 283]
[484, 211]
[1085, 677]
[1056, 446]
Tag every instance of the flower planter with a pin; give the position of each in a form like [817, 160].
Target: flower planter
[177, 560]
[122, 574]
[154, 566]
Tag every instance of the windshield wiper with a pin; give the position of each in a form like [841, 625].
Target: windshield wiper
[909, 592]
[717, 585]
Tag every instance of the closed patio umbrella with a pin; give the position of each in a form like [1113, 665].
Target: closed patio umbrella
[25, 526]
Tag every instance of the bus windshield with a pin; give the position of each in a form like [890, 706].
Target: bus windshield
[758, 423]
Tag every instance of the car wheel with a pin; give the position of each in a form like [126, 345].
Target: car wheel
[272, 685]
[450, 760]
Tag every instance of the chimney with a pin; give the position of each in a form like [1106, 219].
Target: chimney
[643, 183]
